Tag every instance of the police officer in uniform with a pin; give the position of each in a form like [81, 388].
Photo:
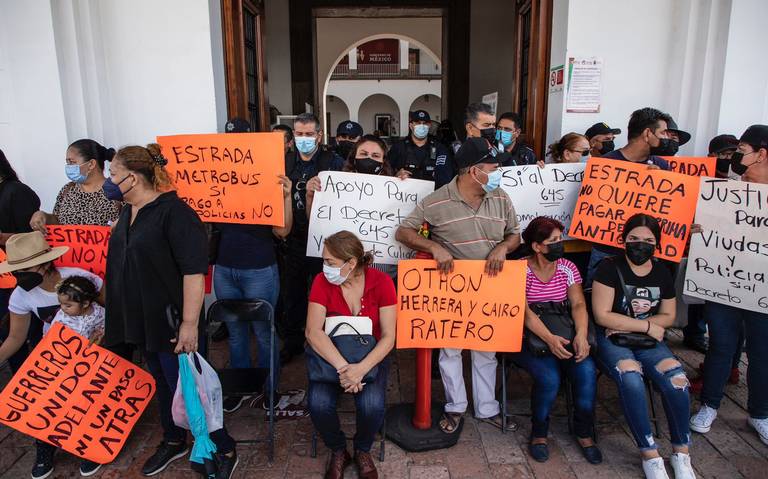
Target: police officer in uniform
[298, 270]
[514, 152]
[347, 134]
[420, 155]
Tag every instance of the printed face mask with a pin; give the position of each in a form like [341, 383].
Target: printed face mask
[305, 144]
[639, 252]
[333, 274]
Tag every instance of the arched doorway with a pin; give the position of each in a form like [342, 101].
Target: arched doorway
[430, 104]
[336, 111]
[380, 113]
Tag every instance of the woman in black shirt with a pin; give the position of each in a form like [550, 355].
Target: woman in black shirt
[157, 261]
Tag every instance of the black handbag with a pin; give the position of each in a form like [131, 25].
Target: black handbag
[353, 347]
[630, 340]
[556, 316]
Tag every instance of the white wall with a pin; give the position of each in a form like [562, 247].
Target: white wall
[278, 55]
[378, 104]
[429, 103]
[427, 64]
[492, 51]
[338, 111]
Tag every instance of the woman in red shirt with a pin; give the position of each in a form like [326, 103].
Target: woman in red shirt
[350, 287]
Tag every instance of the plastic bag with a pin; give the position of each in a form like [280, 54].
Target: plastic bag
[208, 390]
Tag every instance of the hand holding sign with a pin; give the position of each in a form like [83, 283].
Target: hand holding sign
[613, 191]
[229, 178]
[465, 309]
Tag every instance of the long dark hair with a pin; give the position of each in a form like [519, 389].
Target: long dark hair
[349, 162]
[6, 170]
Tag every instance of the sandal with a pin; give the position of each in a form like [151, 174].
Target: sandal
[450, 421]
[495, 421]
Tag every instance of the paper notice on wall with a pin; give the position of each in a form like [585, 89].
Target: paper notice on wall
[728, 261]
[370, 206]
[492, 100]
[556, 79]
[585, 83]
[550, 191]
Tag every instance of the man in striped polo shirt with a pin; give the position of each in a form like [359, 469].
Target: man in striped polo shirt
[469, 218]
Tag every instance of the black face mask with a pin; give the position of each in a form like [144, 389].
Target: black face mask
[608, 146]
[28, 280]
[667, 147]
[639, 252]
[368, 166]
[722, 166]
[736, 165]
[555, 251]
[489, 134]
[343, 148]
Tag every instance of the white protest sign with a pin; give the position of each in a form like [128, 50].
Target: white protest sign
[550, 191]
[370, 206]
[728, 261]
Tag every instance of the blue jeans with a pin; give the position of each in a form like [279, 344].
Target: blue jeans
[546, 372]
[369, 411]
[668, 378]
[250, 284]
[727, 325]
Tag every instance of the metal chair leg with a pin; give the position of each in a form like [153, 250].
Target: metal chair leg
[383, 433]
[313, 450]
[568, 402]
[504, 393]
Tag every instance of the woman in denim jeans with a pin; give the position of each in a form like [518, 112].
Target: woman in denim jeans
[350, 287]
[246, 269]
[551, 278]
[645, 304]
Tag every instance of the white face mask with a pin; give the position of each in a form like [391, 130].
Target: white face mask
[333, 274]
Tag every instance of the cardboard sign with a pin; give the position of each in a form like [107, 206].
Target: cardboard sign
[613, 191]
[693, 165]
[550, 192]
[466, 309]
[77, 396]
[229, 178]
[728, 261]
[370, 206]
[87, 246]
[7, 280]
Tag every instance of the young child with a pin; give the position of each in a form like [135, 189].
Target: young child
[79, 310]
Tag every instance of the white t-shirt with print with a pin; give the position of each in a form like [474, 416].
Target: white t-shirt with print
[45, 304]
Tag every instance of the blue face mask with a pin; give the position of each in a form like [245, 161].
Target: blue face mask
[305, 144]
[504, 137]
[494, 180]
[74, 174]
[112, 190]
[420, 131]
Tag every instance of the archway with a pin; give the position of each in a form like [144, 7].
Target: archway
[430, 104]
[380, 113]
[336, 111]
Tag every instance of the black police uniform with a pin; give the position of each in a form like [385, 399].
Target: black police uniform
[432, 162]
[298, 270]
[519, 155]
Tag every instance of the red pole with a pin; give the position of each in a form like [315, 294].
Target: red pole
[422, 411]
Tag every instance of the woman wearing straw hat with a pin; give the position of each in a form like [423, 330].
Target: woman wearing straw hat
[30, 260]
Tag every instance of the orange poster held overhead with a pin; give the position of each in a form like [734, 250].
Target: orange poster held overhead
[229, 177]
[7, 280]
[693, 165]
[613, 191]
[466, 309]
[87, 246]
[76, 396]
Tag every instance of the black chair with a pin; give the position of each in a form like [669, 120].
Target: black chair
[382, 441]
[248, 381]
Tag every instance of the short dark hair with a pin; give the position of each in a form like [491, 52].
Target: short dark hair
[307, 118]
[513, 117]
[642, 219]
[78, 289]
[474, 109]
[645, 118]
[285, 129]
[540, 228]
[6, 170]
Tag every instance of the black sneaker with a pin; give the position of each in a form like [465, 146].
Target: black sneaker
[233, 403]
[43, 461]
[166, 453]
[89, 468]
[226, 465]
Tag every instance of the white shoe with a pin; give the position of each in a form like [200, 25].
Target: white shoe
[654, 468]
[761, 426]
[681, 464]
[701, 422]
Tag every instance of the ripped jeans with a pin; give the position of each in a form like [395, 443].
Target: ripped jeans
[626, 367]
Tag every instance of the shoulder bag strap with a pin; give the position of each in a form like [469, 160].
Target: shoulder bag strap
[624, 288]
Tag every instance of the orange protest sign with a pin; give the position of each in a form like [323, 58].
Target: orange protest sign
[229, 178]
[7, 280]
[692, 165]
[87, 246]
[466, 309]
[612, 191]
[77, 396]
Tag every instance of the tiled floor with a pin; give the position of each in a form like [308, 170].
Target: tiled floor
[730, 450]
